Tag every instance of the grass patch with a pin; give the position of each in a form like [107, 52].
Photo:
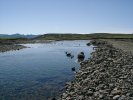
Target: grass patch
[84, 36]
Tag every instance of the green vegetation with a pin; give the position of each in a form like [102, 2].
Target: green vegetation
[13, 38]
[63, 37]
[4, 41]
[57, 36]
[74, 36]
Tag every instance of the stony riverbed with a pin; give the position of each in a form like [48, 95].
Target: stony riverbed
[107, 75]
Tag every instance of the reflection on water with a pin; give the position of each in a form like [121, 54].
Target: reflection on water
[39, 72]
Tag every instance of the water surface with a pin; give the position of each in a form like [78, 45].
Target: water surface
[39, 72]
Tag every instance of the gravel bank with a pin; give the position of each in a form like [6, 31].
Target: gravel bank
[107, 75]
[5, 47]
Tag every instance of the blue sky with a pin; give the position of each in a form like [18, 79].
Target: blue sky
[65, 16]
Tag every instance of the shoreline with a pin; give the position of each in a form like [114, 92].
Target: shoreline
[11, 47]
[107, 75]
[11, 44]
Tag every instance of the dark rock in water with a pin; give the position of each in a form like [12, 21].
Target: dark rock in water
[73, 69]
[68, 54]
[72, 56]
[81, 55]
[80, 59]
[53, 99]
[88, 44]
[93, 42]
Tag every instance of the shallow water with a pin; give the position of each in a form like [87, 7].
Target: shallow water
[39, 72]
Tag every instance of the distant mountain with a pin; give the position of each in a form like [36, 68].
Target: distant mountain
[17, 35]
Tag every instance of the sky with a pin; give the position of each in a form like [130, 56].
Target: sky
[66, 16]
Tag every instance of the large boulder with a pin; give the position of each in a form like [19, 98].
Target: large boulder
[81, 55]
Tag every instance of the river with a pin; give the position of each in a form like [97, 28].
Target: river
[41, 71]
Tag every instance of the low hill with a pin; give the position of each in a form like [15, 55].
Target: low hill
[68, 36]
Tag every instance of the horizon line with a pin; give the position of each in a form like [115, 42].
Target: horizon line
[69, 33]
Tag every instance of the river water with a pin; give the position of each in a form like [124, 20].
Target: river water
[41, 71]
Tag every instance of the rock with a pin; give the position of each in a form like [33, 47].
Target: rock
[116, 97]
[89, 93]
[80, 97]
[72, 56]
[64, 95]
[88, 44]
[116, 92]
[53, 99]
[68, 98]
[130, 94]
[81, 55]
[123, 97]
[73, 69]
[101, 96]
[68, 54]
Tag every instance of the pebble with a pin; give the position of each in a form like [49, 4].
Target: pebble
[116, 97]
[116, 92]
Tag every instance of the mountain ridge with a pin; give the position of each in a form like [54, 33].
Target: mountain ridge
[17, 35]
